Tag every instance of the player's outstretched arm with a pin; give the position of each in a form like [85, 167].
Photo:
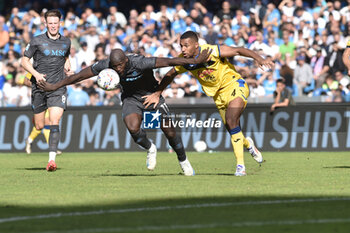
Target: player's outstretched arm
[75, 78]
[154, 97]
[180, 61]
[346, 59]
[227, 51]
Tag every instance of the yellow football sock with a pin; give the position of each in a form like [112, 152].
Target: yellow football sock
[246, 143]
[238, 140]
[33, 134]
[46, 133]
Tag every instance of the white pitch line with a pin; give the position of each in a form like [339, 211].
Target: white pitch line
[160, 208]
[202, 226]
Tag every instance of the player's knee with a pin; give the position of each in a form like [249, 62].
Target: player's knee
[133, 124]
[54, 122]
[133, 129]
[39, 126]
[170, 134]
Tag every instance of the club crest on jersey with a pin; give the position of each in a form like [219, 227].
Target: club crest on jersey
[47, 52]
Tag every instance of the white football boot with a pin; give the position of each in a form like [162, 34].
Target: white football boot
[256, 154]
[187, 168]
[28, 147]
[151, 157]
[240, 170]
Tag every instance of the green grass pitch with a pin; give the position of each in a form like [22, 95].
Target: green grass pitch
[114, 192]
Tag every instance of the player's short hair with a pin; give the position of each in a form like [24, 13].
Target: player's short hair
[53, 13]
[189, 34]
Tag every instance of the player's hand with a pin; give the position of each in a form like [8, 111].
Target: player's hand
[151, 99]
[68, 72]
[47, 86]
[204, 56]
[67, 69]
[263, 64]
[40, 78]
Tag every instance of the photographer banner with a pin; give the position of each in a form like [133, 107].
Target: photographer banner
[299, 128]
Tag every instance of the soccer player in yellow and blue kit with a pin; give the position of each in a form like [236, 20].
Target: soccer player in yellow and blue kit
[346, 57]
[220, 80]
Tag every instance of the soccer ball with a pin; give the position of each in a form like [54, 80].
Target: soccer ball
[200, 146]
[108, 79]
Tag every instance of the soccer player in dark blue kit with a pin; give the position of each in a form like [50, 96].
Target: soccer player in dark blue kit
[50, 52]
[137, 80]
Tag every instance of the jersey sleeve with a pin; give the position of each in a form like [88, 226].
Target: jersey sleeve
[29, 76]
[144, 63]
[97, 67]
[69, 46]
[31, 48]
[348, 44]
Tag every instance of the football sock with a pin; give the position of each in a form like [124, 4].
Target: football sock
[237, 140]
[176, 144]
[52, 156]
[246, 143]
[141, 139]
[46, 132]
[35, 132]
[53, 141]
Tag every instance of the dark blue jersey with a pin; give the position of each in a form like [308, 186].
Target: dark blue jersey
[138, 78]
[49, 56]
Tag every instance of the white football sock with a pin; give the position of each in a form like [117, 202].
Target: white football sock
[52, 156]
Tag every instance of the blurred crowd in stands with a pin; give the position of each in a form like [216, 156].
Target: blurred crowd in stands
[306, 41]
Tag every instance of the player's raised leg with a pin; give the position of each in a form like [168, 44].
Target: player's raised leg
[175, 142]
[55, 116]
[256, 154]
[133, 123]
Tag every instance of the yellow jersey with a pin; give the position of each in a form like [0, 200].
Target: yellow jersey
[213, 75]
[348, 44]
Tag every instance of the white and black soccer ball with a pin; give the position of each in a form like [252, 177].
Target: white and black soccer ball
[200, 146]
[108, 79]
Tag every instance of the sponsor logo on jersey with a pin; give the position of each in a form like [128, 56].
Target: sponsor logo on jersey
[57, 52]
